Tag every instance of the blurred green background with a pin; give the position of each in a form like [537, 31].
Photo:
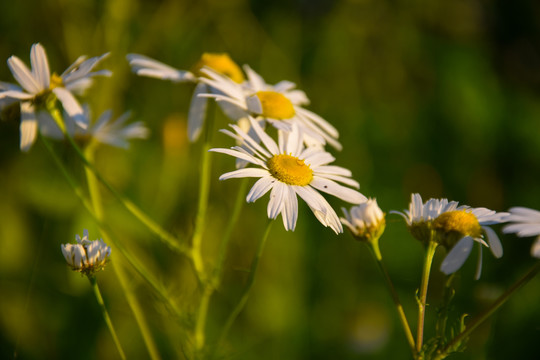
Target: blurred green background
[440, 98]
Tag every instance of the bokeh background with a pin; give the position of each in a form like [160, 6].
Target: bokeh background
[440, 98]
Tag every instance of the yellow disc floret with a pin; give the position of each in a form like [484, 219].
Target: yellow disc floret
[56, 81]
[275, 105]
[221, 63]
[453, 225]
[290, 170]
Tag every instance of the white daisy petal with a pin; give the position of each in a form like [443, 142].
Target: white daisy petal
[40, 66]
[71, 106]
[246, 172]
[457, 256]
[479, 263]
[276, 200]
[261, 187]
[197, 112]
[494, 243]
[23, 75]
[28, 127]
[339, 191]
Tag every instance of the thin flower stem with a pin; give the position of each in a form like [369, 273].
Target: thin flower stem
[430, 252]
[204, 190]
[93, 187]
[106, 316]
[162, 234]
[212, 285]
[374, 247]
[202, 206]
[245, 295]
[533, 271]
[159, 289]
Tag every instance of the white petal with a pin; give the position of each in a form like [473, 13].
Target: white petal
[15, 94]
[237, 154]
[23, 75]
[494, 243]
[145, 66]
[266, 140]
[457, 256]
[522, 229]
[289, 213]
[28, 127]
[479, 263]
[40, 66]
[339, 191]
[260, 188]
[71, 106]
[246, 172]
[276, 203]
[197, 112]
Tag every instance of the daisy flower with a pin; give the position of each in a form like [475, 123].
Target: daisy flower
[288, 169]
[365, 221]
[280, 105]
[420, 215]
[221, 63]
[104, 130]
[38, 87]
[455, 227]
[86, 257]
[524, 222]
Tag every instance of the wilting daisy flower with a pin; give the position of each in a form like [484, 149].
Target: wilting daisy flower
[525, 222]
[39, 87]
[458, 230]
[87, 257]
[279, 105]
[289, 169]
[455, 227]
[420, 215]
[221, 63]
[365, 221]
[104, 130]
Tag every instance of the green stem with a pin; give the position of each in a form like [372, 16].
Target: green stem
[95, 196]
[204, 190]
[489, 311]
[211, 286]
[162, 234]
[245, 295]
[159, 289]
[374, 246]
[428, 259]
[106, 315]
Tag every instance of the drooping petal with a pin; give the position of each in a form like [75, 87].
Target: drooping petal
[261, 187]
[276, 203]
[71, 106]
[493, 241]
[457, 256]
[28, 127]
[197, 112]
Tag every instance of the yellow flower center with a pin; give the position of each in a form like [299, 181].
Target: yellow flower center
[222, 63]
[453, 225]
[275, 105]
[290, 170]
[56, 81]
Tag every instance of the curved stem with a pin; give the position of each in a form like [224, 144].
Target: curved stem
[158, 288]
[489, 311]
[428, 259]
[95, 196]
[212, 285]
[162, 234]
[374, 247]
[249, 285]
[106, 316]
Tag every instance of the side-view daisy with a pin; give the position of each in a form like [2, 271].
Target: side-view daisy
[38, 85]
[289, 169]
[365, 221]
[420, 215]
[104, 130]
[221, 63]
[454, 227]
[280, 105]
[525, 222]
[86, 257]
